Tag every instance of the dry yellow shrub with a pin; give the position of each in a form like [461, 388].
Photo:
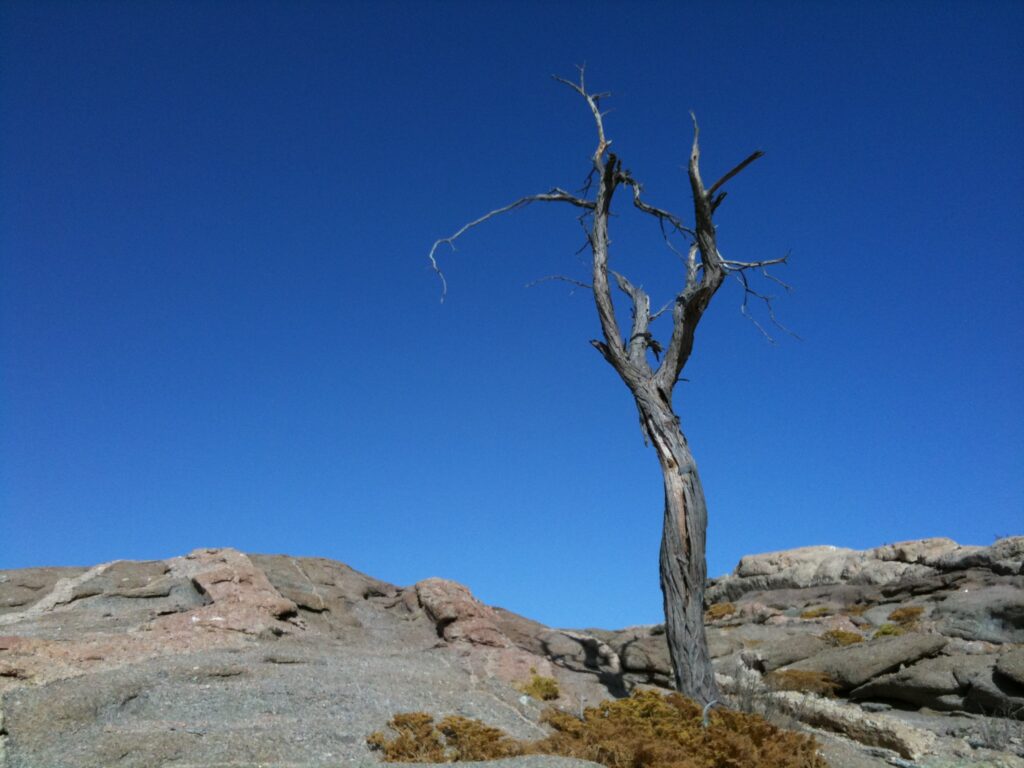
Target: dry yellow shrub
[719, 611]
[840, 637]
[801, 680]
[418, 740]
[647, 730]
[540, 687]
[415, 740]
[908, 615]
[890, 630]
[816, 613]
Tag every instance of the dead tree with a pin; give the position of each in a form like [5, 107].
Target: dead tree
[652, 370]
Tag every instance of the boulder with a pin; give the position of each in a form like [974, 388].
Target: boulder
[123, 578]
[940, 683]
[329, 594]
[787, 650]
[458, 615]
[992, 694]
[801, 563]
[648, 656]
[580, 651]
[1011, 666]
[853, 665]
[922, 551]
[22, 588]
[873, 729]
[994, 613]
[1005, 556]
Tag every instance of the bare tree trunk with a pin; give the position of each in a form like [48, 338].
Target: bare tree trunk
[683, 568]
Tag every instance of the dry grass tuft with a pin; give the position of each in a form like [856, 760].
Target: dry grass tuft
[803, 681]
[647, 730]
[840, 637]
[907, 616]
[890, 630]
[415, 740]
[719, 611]
[816, 613]
[540, 687]
[418, 740]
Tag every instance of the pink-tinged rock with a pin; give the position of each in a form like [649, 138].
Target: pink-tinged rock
[243, 598]
[11, 642]
[458, 615]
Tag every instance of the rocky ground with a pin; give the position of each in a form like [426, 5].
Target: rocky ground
[219, 658]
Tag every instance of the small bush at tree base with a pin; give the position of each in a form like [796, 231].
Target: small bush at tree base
[647, 730]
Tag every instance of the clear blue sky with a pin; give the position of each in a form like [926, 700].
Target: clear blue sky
[219, 326]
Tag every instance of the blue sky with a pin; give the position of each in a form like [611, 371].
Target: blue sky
[218, 325]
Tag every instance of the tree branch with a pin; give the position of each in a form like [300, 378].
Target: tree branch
[734, 266]
[556, 195]
[562, 278]
[658, 213]
[593, 101]
[639, 336]
[748, 292]
[714, 187]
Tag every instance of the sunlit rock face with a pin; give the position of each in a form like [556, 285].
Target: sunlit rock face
[217, 657]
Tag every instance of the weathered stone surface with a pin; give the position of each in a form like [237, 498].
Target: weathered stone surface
[123, 578]
[939, 683]
[1006, 557]
[994, 613]
[854, 665]
[280, 661]
[889, 565]
[923, 551]
[993, 694]
[20, 589]
[231, 708]
[458, 615]
[875, 729]
[786, 650]
[1011, 666]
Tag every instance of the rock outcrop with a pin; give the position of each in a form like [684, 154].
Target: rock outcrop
[219, 658]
